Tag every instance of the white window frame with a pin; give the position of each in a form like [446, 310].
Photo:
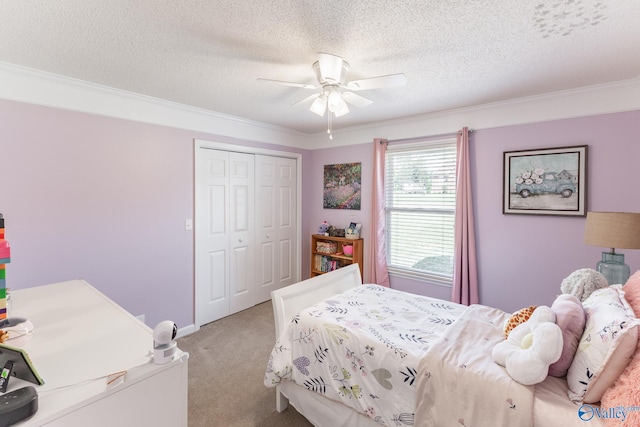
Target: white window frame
[447, 207]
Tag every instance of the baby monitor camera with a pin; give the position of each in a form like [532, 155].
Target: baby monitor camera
[164, 345]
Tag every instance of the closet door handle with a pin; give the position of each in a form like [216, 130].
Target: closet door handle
[267, 236]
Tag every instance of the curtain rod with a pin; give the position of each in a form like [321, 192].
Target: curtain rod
[422, 138]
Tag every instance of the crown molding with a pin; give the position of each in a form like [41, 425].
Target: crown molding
[52, 90]
[607, 98]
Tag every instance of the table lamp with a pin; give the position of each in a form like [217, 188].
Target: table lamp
[613, 230]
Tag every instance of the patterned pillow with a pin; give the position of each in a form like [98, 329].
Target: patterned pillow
[516, 318]
[609, 339]
[625, 391]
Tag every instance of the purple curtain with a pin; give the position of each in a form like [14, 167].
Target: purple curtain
[465, 273]
[378, 266]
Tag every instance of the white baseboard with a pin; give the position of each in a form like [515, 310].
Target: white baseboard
[187, 330]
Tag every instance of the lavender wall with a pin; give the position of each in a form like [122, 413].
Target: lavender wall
[104, 200]
[340, 218]
[522, 258]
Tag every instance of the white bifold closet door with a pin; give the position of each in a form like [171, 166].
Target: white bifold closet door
[246, 230]
[225, 225]
[276, 223]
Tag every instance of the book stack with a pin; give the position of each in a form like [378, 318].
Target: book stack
[5, 258]
[325, 264]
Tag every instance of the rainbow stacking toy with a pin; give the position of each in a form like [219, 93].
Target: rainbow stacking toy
[5, 258]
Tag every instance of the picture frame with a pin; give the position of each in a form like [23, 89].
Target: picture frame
[342, 186]
[547, 181]
[22, 366]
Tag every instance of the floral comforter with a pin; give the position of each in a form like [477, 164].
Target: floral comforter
[363, 348]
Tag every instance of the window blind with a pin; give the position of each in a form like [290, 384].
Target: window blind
[420, 194]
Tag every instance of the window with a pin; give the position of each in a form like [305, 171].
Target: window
[420, 192]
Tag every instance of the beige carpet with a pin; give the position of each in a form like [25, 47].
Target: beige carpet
[227, 360]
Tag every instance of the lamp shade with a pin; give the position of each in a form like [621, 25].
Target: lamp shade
[619, 230]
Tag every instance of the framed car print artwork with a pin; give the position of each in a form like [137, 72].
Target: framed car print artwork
[550, 181]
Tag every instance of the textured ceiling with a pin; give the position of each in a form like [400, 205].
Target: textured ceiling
[208, 54]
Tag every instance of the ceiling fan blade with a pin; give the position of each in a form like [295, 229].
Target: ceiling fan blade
[306, 99]
[280, 82]
[330, 67]
[357, 100]
[392, 80]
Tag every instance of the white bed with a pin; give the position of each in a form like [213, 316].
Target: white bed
[550, 403]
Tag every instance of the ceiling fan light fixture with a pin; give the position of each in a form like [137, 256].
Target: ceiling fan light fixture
[319, 106]
[342, 110]
[335, 101]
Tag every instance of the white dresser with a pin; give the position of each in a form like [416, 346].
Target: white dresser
[79, 337]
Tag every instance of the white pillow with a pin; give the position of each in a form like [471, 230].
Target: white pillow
[606, 346]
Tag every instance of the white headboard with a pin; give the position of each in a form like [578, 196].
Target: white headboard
[290, 300]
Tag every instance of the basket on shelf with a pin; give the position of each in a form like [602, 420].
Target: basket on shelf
[326, 247]
[351, 233]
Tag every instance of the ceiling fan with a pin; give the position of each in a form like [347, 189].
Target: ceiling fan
[331, 72]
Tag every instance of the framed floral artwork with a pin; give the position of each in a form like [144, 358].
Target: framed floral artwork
[342, 186]
[549, 181]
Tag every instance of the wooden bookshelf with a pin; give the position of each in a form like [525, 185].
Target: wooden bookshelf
[327, 253]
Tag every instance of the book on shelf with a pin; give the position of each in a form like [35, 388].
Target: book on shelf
[326, 264]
